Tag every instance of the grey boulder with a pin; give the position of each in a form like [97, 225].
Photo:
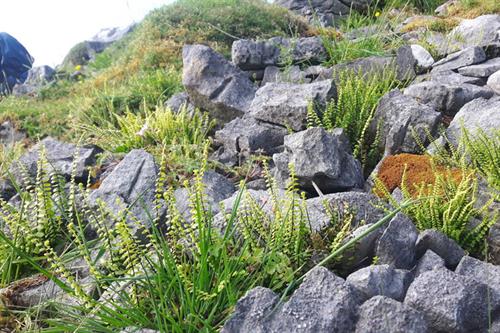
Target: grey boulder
[428, 262]
[449, 77]
[381, 280]
[478, 115]
[482, 70]
[366, 67]
[423, 58]
[494, 82]
[383, 314]
[214, 84]
[398, 118]
[130, 189]
[251, 311]
[412, 60]
[60, 157]
[292, 74]
[277, 51]
[37, 77]
[321, 157]
[250, 55]
[323, 303]
[484, 273]
[244, 136]
[364, 209]
[466, 57]
[325, 12]
[396, 245]
[179, 102]
[364, 206]
[440, 244]
[446, 98]
[481, 31]
[287, 104]
[9, 134]
[449, 302]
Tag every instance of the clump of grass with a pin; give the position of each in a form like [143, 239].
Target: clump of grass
[427, 6]
[437, 24]
[8, 154]
[148, 88]
[30, 230]
[474, 8]
[37, 117]
[181, 136]
[353, 110]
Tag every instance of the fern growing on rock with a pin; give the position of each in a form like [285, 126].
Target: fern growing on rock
[353, 110]
[449, 205]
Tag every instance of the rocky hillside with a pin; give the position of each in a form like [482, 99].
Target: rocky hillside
[239, 166]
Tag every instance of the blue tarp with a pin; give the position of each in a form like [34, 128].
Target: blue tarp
[15, 62]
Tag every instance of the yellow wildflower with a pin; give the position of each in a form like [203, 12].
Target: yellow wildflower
[377, 13]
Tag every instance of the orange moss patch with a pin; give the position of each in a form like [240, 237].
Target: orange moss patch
[420, 169]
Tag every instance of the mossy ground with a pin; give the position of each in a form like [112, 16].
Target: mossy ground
[417, 170]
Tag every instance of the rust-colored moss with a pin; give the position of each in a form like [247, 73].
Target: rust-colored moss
[419, 170]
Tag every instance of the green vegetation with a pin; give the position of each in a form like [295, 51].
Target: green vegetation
[185, 273]
[479, 151]
[474, 8]
[358, 97]
[449, 205]
[181, 136]
[133, 69]
[427, 6]
[193, 274]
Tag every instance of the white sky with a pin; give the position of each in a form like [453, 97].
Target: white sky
[49, 28]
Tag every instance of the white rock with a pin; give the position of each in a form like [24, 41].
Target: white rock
[494, 82]
[423, 57]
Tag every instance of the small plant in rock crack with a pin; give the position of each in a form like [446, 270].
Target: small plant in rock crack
[479, 150]
[353, 110]
[449, 205]
[180, 135]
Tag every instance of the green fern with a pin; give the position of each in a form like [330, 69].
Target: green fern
[353, 110]
[448, 205]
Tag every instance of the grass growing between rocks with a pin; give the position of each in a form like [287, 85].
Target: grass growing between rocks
[179, 136]
[37, 119]
[146, 65]
[186, 278]
[474, 8]
[427, 6]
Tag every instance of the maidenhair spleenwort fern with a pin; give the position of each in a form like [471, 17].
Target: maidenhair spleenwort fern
[478, 150]
[353, 110]
[450, 206]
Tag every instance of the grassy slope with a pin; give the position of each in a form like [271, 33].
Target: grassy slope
[146, 65]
